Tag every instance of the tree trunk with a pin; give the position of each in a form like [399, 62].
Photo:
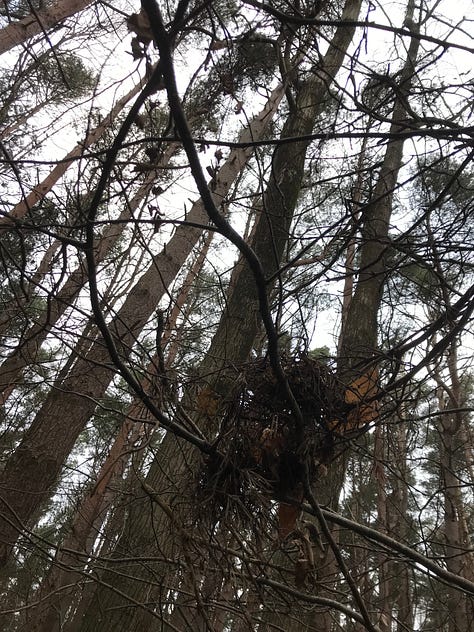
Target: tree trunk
[68, 565]
[26, 205]
[400, 527]
[458, 543]
[358, 342]
[384, 568]
[359, 339]
[232, 343]
[57, 304]
[32, 470]
[37, 22]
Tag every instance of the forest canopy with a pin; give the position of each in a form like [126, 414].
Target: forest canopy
[236, 312]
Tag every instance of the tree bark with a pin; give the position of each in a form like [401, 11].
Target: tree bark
[359, 339]
[57, 304]
[26, 205]
[458, 543]
[57, 592]
[358, 342]
[37, 22]
[32, 470]
[151, 528]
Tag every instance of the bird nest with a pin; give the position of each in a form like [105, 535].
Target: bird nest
[261, 450]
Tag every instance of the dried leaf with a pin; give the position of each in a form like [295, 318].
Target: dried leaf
[211, 170]
[362, 392]
[207, 402]
[361, 395]
[138, 51]
[272, 442]
[141, 120]
[218, 45]
[139, 24]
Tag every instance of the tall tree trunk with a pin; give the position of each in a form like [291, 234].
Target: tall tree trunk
[384, 568]
[57, 304]
[152, 529]
[359, 339]
[358, 346]
[57, 590]
[26, 352]
[238, 328]
[34, 337]
[40, 21]
[458, 542]
[32, 470]
[38, 192]
[400, 526]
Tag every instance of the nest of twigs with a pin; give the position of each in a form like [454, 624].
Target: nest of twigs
[261, 450]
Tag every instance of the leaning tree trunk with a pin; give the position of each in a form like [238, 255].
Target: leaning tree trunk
[33, 338]
[36, 334]
[358, 348]
[151, 528]
[39, 191]
[32, 470]
[40, 21]
[26, 353]
[57, 592]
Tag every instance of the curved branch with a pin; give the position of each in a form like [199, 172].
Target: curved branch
[337, 554]
[164, 43]
[320, 601]
[386, 541]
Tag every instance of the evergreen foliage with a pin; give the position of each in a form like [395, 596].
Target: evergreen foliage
[236, 307]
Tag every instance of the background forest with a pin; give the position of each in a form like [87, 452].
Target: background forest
[236, 311]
